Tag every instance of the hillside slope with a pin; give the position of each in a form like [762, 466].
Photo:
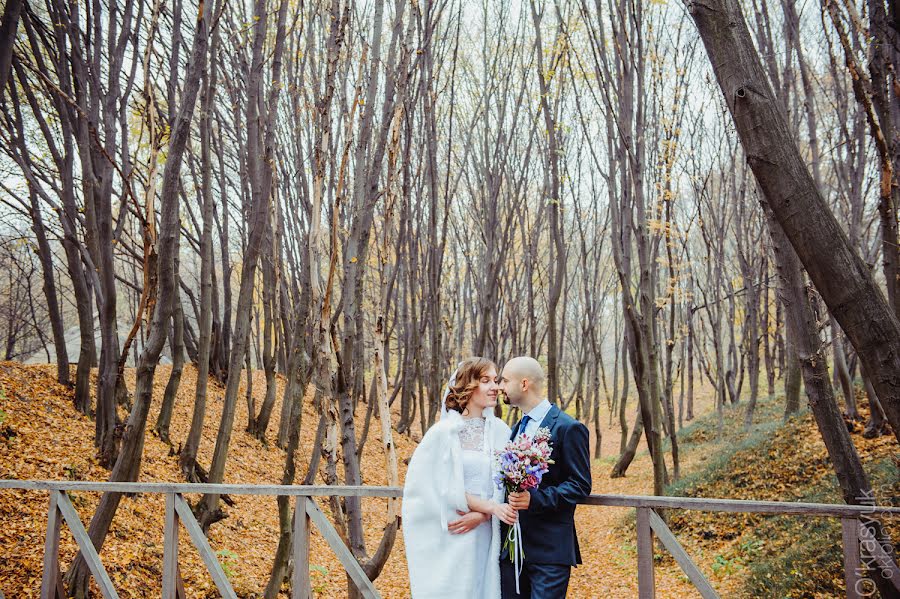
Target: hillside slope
[42, 437]
[749, 555]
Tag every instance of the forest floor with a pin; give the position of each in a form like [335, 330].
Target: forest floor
[43, 437]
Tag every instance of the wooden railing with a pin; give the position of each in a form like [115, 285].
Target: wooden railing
[649, 524]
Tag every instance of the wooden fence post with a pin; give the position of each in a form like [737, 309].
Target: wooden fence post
[51, 550]
[85, 545]
[202, 545]
[300, 583]
[170, 549]
[850, 536]
[646, 582]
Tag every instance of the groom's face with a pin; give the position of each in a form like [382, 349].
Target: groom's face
[511, 384]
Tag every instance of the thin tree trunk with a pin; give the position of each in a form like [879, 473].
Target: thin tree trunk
[260, 423]
[792, 379]
[841, 371]
[187, 460]
[875, 424]
[628, 452]
[45, 254]
[176, 343]
[285, 521]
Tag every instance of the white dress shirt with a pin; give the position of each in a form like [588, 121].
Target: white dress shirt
[536, 416]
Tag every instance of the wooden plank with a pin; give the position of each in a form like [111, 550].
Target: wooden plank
[51, 551]
[687, 565]
[737, 505]
[184, 513]
[179, 584]
[184, 488]
[633, 501]
[354, 570]
[170, 549]
[86, 546]
[686, 503]
[850, 537]
[646, 579]
[301, 587]
[60, 587]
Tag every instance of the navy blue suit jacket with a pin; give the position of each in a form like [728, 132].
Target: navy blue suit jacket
[548, 525]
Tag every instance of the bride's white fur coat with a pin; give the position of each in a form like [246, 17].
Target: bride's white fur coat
[442, 565]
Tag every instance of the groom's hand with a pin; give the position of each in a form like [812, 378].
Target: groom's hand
[520, 501]
[467, 522]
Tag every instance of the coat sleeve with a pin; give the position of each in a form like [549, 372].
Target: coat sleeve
[576, 465]
[434, 483]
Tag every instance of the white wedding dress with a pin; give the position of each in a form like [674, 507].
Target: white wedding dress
[455, 457]
[477, 481]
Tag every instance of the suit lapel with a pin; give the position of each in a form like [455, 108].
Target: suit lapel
[549, 420]
[550, 423]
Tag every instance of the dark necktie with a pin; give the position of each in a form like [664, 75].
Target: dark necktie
[524, 423]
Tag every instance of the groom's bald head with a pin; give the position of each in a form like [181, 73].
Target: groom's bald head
[523, 381]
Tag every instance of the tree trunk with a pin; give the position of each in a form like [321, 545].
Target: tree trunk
[187, 460]
[803, 332]
[45, 254]
[128, 462]
[690, 364]
[261, 176]
[875, 425]
[557, 255]
[8, 26]
[792, 380]
[623, 420]
[839, 274]
[628, 452]
[259, 425]
[176, 343]
[285, 521]
[841, 371]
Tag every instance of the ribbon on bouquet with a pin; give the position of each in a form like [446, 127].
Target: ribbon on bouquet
[517, 552]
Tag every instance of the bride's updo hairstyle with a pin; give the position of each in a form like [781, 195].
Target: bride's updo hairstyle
[468, 377]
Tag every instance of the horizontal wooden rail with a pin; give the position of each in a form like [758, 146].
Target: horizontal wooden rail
[307, 514]
[634, 501]
[184, 488]
[834, 510]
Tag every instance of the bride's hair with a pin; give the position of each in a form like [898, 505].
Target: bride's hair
[468, 377]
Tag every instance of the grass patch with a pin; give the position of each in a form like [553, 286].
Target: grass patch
[764, 556]
[810, 563]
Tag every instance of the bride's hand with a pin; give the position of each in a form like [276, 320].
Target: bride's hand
[506, 513]
[467, 522]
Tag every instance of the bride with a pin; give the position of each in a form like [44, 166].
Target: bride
[451, 506]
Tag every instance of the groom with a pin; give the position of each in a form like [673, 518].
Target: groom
[546, 514]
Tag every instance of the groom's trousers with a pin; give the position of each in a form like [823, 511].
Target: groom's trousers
[536, 581]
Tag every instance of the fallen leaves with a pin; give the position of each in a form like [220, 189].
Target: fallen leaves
[43, 437]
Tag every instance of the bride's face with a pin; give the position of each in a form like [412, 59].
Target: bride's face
[485, 396]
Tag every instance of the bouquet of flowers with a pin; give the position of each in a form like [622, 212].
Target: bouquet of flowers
[524, 461]
[520, 466]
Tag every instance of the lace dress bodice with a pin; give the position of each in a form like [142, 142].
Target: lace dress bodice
[476, 460]
[471, 436]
